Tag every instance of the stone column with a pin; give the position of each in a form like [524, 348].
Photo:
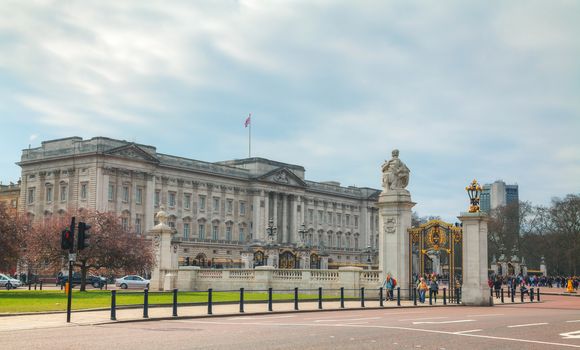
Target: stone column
[149, 201]
[266, 216]
[286, 236]
[474, 289]
[275, 210]
[256, 214]
[293, 219]
[394, 221]
[164, 274]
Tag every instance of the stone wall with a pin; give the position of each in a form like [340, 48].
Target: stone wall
[351, 278]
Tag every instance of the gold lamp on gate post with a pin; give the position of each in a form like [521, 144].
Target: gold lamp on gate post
[474, 192]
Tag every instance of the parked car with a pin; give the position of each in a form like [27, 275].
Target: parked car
[95, 281]
[9, 282]
[132, 281]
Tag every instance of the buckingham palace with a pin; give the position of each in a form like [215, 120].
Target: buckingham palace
[219, 210]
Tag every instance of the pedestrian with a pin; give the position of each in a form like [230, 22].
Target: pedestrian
[389, 284]
[434, 289]
[422, 288]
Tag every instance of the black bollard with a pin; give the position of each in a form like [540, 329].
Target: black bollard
[538, 293]
[532, 294]
[381, 296]
[444, 296]
[342, 297]
[146, 303]
[430, 297]
[521, 295]
[270, 299]
[296, 298]
[414, 296]
[241, 299]
[210, 301]
[362, 297]
[40, 285]
[398, 296]
[502, 296]
[509, 290]
[320, 298]
[113, 305]
[491, 292]
[512, 295]
[175, 302]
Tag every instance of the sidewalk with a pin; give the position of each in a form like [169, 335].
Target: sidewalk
[84, 318]
[53, 320]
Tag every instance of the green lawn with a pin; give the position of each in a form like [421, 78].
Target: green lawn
[36, 301]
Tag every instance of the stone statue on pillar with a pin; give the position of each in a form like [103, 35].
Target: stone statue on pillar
[395, 173]
[395, 219]
[164, 274]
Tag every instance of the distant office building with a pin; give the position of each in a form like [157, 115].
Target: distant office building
[498, 194]
[9, 195]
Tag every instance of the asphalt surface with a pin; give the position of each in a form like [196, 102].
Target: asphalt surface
[552, 324]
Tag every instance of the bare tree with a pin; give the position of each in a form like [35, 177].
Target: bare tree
[11, 244]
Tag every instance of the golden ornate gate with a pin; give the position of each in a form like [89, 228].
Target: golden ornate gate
[435, 250]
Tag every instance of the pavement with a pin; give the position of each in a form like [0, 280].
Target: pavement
[552, 324]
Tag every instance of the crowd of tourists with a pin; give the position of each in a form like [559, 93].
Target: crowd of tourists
[531, 281]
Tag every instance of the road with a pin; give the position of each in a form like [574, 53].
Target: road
[552, 324]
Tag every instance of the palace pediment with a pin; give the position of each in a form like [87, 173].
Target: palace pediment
[282, 176]
[132, 151]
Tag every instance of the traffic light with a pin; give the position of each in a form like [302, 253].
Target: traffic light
[84, 235]
[67, 239]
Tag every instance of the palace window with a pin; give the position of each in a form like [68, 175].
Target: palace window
[310, 215]
[157, 198]
[139, 195]
[84, 187]
[201, 202]
[241, 234]
[320, 217]
[230, 205]
[125, 223]
[111, 192]
[214, 232]
[347, 220]
[186, 230]
[138, 225]
[63, 193]
[172, 199]
[216, 204]
[242, 208]
[125, 194]
[339, 219]
[229, 233]
[329, 220]
[31, 193]
[201, 231]
[356, 221]
[187, 201]
[48, 194]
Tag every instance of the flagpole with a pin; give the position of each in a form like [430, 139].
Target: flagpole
[250, 138]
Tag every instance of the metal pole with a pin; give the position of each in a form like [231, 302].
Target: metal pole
[113, 305]
[146, 303]
[502, 301]
[209, 301]
[362, 296]
[414, 296]
[175, 302]
[398, 296]
[538, 293]
[521, 295]
[270, 299]
[69, 290]
[320, 298]
[532, 294]
[444, 296]
[40, 285]
[381, 296]
[296, 298]
[241, 299]
[430, 297]
[512, 295]
[342, 297]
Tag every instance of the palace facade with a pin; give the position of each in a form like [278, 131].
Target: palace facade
[217, 209]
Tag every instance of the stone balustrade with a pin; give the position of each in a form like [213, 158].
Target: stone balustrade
[351, 278]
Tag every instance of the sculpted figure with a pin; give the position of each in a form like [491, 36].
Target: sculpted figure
[395, 173]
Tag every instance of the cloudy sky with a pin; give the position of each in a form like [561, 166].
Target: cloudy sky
[465, 89]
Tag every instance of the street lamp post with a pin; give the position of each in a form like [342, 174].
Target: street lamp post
[474, 191]
[302, 232]
[271, 230]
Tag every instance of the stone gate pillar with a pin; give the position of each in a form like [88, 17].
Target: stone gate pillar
[395, 219]
[474, 289]
[164, 274]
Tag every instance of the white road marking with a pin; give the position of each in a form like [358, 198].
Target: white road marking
[468, 331]
[442, 322]
[527, 325]
[485, 315]
[259, 318]
[422, 318]
[322, 318]
[382, 327]
[348, 319]
[573, 321]
[571, 335]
